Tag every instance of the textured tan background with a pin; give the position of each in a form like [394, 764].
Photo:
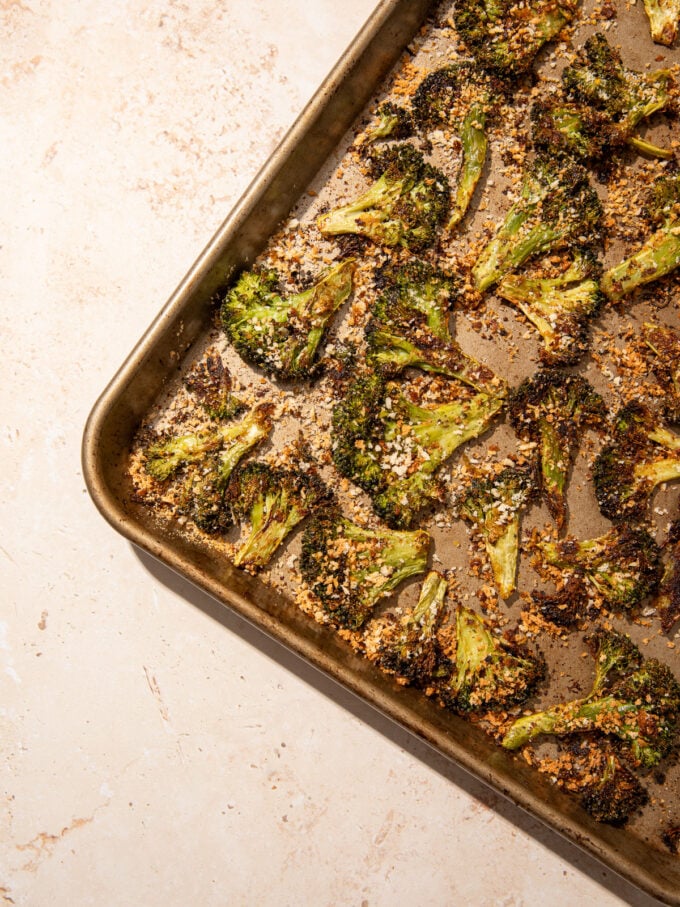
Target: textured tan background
[153, 751]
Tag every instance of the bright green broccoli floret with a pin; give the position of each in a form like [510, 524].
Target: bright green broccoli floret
[623, 565]
[664, 17]
[663, 351]
[504, 36]
[272, 500]
[660, 253]
[493, 505]
[640, 707]
[282, 334]
[557, 208]
[404, 206]
[552, 409]
[489, 672]
[642, 454]
[349, 568]
[560, 308]
[409, 327]
[393, 448]
[406, 644]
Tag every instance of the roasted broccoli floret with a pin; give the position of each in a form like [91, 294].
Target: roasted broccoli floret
[409, 327]
[493, 505]
[271, 500]
[489, 672]
[643, 453]
[552, 409]
[349, 568]
[391, 121]
[664, 16]
[663, 348]
[557, 208]
[599, 79]
[504, 36]
[560, 126]
[560, 308]
[282, 334]
[623, 566]
[660, 253]
[616, 795]
[210, 384]
[393, 448]
[405, 205]
[406, 644]
[668, 599]
[458, 100]
[640, 707]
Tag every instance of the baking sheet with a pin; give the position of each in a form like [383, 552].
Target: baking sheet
[150, 376]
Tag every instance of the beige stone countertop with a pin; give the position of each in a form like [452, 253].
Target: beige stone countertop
[155, 751]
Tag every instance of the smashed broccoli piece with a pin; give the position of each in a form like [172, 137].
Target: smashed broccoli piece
[660, 253]
[664, 17]
[616, 795]
[405, 205]
[552, 409]
[560, 126]
[640, 707]
[210, 384]
[557, 208]
[504, 36]
[493, 505]
[489, 672]
[349, 568]
[272, 500]
[391, 121]
[409, 327]
[623, 565]
[663, 350]
[642, 454]
[406, 644]
[393, 448]
[282, 334]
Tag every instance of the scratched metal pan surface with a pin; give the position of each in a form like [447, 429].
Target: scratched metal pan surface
[181, 327]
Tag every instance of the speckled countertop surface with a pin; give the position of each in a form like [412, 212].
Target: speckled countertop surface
[153, 749]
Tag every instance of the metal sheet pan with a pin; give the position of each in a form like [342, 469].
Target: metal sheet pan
[154, 363]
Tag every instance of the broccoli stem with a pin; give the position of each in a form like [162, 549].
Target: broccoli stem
[366, 209]
[663, 18]
[475, 145]
[658, 256]
[503, 554]
[504, 253]
[267, 529]
[642, 146]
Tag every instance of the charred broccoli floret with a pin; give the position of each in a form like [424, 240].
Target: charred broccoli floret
[210, 384]
[405, 205]
[616, 795]
[393, 448]
[349, 568]
[668, 599]
[504, 36]
[623, 565]
[640, 707]
[557, 208]
[406, 644]
[458, 100]
[409, 327]
[599, 79]
[660, 253]
[489, 672]
[642, 454]
[493, 505]
[271, 500]
[663, 348]
[282, 334]
[552, 409]
[566, 127]
[391, 121]
[664, 16]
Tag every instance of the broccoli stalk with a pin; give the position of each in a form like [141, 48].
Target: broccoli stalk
[664, 16]
[349, 568]
[493, 505]
[272, 500]
[404, 206]
[283, 334]
[623, 565]
[409, 327]
[640, 708]
[475, 145]
[556, 207]
[407, 645]
[642, 455]
[552, 409]
[393, 448]
[489, 672]
[663, 348]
